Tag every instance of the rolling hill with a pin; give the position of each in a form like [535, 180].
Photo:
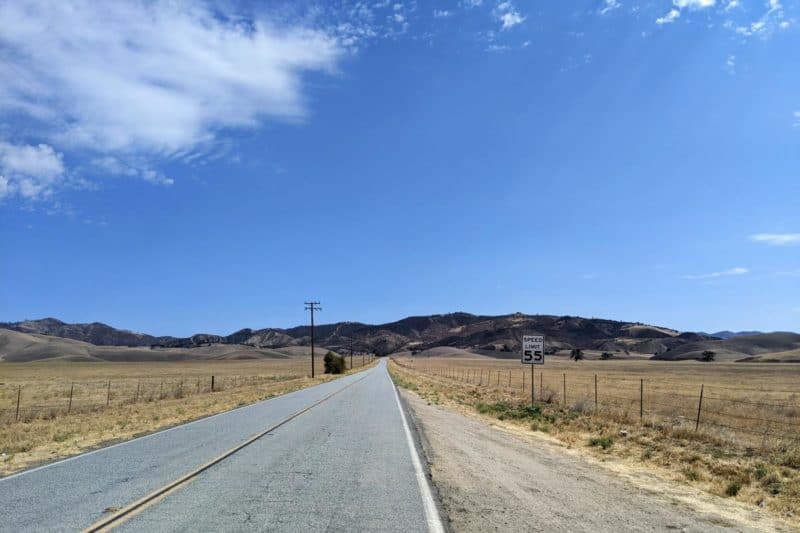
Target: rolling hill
[498, 336]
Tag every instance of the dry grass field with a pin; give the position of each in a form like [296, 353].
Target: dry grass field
[111, 402]
[746, 445]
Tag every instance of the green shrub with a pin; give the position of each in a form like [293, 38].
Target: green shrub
[603, 442]
[505, 410]
[691, 473]
[733, 488]
[334, 364]
[773, 483]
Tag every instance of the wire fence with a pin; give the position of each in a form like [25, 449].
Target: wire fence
[51, 399]
[748, 415]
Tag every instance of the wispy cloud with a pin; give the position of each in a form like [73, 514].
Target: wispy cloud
[442, 13]
[610, 5]
[736, 271]
[777, 239]
[796, 116]
[669, 18]
[730, 64]
[157, 79]
[508, 15]
[771, 20]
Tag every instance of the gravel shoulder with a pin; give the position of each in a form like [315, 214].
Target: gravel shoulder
[495, 478]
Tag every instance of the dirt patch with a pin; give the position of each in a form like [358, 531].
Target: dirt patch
[496, 478]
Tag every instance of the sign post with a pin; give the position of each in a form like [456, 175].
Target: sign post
[533, 354]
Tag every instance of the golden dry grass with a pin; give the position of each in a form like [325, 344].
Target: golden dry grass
[756, 403]
[45, 431]
[752, 466]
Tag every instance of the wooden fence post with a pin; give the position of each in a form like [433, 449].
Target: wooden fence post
[108, 393]
[595, 392]
[161, 392]
[641, 400]
[138, 386]
[498, 378]
[699, 407]
[509, 379]
[523, 381]
[212, 383]
[71, 388]
[533, 384]
[565, 389]
[19, 393]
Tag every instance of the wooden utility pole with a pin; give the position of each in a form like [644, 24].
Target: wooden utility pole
[351, 353]
[312, 306]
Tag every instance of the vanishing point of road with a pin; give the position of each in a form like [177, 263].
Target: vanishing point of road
[339, 456]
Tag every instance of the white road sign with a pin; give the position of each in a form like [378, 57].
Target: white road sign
[533, 349]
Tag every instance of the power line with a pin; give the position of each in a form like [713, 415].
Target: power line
[312, 306]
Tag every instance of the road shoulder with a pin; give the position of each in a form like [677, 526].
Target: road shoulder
[495, 478]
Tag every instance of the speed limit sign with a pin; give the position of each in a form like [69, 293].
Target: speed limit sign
[533, 349]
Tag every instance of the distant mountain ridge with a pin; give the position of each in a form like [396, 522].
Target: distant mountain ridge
[725, 335]
[462, 330]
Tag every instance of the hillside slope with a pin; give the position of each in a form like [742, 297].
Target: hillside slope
[501, 335]
[737, 348]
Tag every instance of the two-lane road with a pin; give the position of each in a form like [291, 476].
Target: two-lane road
[345, 462]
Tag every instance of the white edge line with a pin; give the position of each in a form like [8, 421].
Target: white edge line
[159, 432]
[431, 513]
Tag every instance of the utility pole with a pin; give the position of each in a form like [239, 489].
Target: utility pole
[351, 353]
[312, 306]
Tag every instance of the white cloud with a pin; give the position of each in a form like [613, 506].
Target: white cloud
[675, 12]
[508, 15]
[441, 13]
[159, 77]
[736, 271]
[694, 4]
[471, 3]
[777, 239]
[765, 26]
[113, 166]
[796, 115]
[497, 47]
[732, 4]
[30, 171]
[669, 18]
[610, 5]
[730, 64]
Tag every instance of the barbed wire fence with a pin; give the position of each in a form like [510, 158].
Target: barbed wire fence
[753, 417]
[25, 402]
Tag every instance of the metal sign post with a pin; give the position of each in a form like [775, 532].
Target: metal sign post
[533, 354]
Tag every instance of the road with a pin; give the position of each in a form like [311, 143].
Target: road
[345, 461]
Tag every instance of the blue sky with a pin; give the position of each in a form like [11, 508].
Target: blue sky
[175, 168]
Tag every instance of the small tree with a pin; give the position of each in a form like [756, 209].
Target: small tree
[576, 354]
[708, 356]
[606, 356]
[334, 364]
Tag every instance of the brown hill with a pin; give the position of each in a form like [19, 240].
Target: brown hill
[498, 336]
[17, 347]
[751, 348]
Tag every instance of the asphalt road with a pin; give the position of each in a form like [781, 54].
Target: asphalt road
[347, 464]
